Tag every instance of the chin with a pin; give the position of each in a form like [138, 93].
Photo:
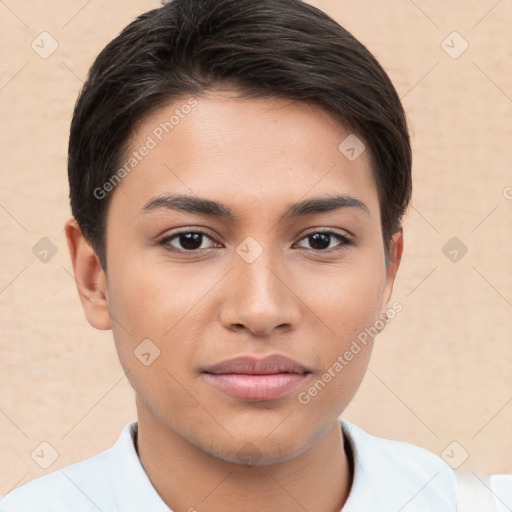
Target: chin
[251, 451]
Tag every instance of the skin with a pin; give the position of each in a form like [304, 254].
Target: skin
[258, 157]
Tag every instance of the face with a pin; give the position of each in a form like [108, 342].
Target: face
[244, 259]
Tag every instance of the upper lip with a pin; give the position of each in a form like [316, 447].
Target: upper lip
[250, 365]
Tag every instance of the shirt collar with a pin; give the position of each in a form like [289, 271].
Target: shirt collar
[393, 475]
[131, 485]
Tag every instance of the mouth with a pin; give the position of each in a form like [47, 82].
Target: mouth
[257, 379]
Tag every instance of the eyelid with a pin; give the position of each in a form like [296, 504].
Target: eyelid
[343, 239]
[163, 240]
[345, 235]
[328, 231]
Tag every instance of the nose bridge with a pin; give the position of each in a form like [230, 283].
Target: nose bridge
[259, 279]
[256, 271]
[258, 297]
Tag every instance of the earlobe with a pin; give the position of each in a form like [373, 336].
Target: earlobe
[89, 276]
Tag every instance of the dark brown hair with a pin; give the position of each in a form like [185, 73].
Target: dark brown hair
[263, 48]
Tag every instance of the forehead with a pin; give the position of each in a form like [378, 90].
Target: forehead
[263, 150]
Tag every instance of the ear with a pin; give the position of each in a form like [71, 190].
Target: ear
[396, 248]
[89, 276]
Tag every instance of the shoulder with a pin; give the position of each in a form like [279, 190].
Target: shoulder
[84, 486]
[77, 486]
[400, 474]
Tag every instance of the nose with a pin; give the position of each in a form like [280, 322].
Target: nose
[259, 297]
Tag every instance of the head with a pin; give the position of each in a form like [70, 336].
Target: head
[238, 173]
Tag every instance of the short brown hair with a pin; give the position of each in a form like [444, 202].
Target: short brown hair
[264, 48]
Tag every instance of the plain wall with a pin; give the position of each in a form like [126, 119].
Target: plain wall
[440, 371]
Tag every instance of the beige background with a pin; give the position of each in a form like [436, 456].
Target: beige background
[440, 372]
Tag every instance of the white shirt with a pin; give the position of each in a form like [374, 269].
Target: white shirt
[389, 476]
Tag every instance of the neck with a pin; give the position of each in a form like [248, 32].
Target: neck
[189, 479]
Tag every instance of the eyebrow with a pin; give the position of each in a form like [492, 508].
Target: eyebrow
[209, 208]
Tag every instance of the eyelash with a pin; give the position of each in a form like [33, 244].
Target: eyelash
[344, 241]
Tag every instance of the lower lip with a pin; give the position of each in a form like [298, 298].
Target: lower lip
[257, 387]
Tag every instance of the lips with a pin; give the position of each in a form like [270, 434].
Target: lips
[253, 366]
[251, 378]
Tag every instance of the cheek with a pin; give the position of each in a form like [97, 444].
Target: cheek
[347, 297]
[344, 354]
[345, 305]
[160, 318]
[154, 336]
[151, 299]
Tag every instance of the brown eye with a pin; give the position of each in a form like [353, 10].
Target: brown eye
[186, 241]
[326, 240]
